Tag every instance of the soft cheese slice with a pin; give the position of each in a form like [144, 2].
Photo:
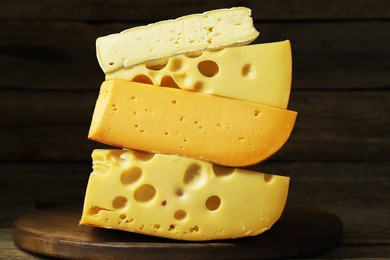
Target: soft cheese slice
[180, 198]
[258, 73]
[172, 121]
[210, 30]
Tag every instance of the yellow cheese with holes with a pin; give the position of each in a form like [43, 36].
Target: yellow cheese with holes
[172, 121]
[180, 198]
[210, 30]
[258, 73]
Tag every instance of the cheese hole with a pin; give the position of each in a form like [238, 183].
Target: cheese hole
[168, 81]
[193, 176]
[131, 175]
[119, 202]
[156, 226]
[213, 203]
[176, 64]
[94, 210]
[257, 113]
[142, 156]
[268, 177]
[164, 203]
[171, 227]
[194, 229]
[221, 171]
[157, 65]
[248, 71]
[201, 87]
[142, 79]
[122, 216]
[100, 168]
[209, 29]
[208, 68]
[144, 193]
[198, 86]
[180, 214]
[111, 63]
[179, 192]
[195, 54]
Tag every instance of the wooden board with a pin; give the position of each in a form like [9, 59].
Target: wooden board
[55, 232]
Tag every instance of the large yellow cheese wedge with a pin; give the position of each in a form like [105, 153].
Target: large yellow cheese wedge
[180, 198]
[259, 73]
[172, 121]
[210, 30]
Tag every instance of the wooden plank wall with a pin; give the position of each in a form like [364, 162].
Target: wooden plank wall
[337, 157]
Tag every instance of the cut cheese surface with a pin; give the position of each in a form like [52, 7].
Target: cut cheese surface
[180, 198]
[209, 30]
[172, 121]
[258, 73]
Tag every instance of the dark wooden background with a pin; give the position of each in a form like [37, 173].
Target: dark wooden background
[338, 154]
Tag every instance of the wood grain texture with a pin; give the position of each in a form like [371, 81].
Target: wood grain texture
[337, 157]
[137, 10]
[55, 232]
[326, 55]
[8, 250]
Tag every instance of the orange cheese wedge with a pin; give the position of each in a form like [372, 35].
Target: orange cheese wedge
[217, 129]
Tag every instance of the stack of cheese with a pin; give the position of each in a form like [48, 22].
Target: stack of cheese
[188, 100]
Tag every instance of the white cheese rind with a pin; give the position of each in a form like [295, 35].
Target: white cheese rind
[180, 198]
[210, 30]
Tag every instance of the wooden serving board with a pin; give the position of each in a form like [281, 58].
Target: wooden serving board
[55, 232]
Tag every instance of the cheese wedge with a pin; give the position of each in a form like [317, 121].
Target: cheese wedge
[180, 198]
[210, 30]
[172, 121]
[258, 73]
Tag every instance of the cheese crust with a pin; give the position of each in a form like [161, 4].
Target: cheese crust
[210, 30]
